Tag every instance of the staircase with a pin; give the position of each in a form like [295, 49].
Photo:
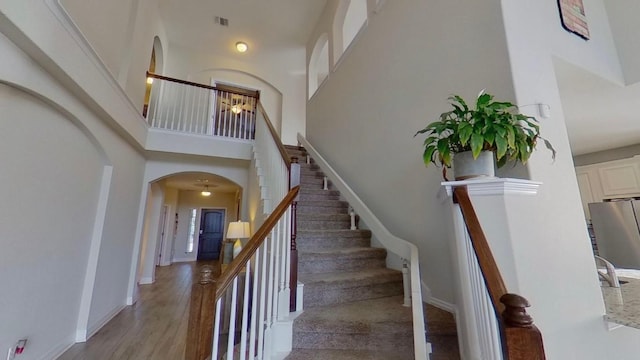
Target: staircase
[352, 302]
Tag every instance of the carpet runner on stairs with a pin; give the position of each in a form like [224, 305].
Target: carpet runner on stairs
[352, 302]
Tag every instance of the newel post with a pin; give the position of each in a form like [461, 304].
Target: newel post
[522, 339]
[201, 316]
[293, 281]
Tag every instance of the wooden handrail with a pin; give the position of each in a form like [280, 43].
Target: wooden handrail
[255, 94]
[490, 271]
[276, 137]
[521, 339]
[206, 292]
[254, 243]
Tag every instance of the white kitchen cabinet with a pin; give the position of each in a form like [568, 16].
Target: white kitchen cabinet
[620, 178]
[608, 180]
[586, 191]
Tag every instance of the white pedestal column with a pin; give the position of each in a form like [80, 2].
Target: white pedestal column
[477, 325]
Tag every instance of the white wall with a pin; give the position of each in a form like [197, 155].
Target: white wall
[171, 201]
[273, 68]
[188, 200]
[569, 315]
[625, 29]
[59, 146]
[121, 33]
[395, 79]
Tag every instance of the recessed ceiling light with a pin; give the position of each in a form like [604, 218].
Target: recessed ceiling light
[242, 46]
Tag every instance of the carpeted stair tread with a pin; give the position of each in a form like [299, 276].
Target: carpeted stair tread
[324, 217]
[309, 240]
[341, 259]
[360, 317]
[349, 279]
[343, 253]
[323, 196]
[323, 204]
[318, 191]
[314, 234]
[333, 354]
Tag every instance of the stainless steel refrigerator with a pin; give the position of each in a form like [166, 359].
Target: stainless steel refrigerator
[617, 229]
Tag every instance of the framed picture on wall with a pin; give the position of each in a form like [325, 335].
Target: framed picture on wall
[573, 17]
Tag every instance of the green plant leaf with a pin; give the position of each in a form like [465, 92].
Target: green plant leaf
[477, 141]
[427, 156]
[501, 147]
[511, 137]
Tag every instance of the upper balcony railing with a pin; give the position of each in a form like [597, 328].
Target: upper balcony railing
[189, 107]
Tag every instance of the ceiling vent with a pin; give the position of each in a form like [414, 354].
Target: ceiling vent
[221, 21]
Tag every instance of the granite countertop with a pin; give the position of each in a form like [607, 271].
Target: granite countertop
[623, 303]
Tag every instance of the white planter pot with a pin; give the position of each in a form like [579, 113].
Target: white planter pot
[466, 167]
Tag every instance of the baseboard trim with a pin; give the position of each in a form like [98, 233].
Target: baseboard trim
[431, 300]
[146, 280]
[176, 260]
[105, 319]
[57, 351]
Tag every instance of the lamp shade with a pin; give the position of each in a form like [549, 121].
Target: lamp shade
[238, 230]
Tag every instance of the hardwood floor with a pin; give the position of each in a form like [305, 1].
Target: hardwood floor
[154, 328]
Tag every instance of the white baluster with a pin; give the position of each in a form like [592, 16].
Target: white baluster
[216, 331]
[245, 313]
[325, 183]
[254, 302]
[232, 318]
[352, 216]
[406, 282]
[263, 298]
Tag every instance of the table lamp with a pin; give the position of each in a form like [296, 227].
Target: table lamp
[237, 230]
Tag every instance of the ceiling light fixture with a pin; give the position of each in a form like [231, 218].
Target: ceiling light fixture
[236, 109]
[206, 191]
[242, 46]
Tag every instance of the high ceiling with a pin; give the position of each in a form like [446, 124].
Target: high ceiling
[600, 114]
[196, 181]
[267, 26]
[273, 25]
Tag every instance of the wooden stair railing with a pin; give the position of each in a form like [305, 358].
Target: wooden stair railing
[521, 339]
[206, 292]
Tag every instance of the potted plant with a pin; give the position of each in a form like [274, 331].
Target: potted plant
[492, 131]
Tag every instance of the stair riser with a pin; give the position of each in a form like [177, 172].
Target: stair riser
[321, 216]
[311, 266]
[332, 243]
[323, 210]
[322, 296]
[323, 224]
[380, 342]
[325, 196]
[313, 183]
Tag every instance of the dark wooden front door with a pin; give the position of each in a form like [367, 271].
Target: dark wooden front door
[211, 234]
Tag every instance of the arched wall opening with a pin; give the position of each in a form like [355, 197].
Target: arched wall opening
[55, 177]
[155, 66]
[318, 69]
[354, 20]
[172, 217]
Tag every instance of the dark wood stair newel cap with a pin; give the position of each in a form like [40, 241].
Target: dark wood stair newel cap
[515, 313]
